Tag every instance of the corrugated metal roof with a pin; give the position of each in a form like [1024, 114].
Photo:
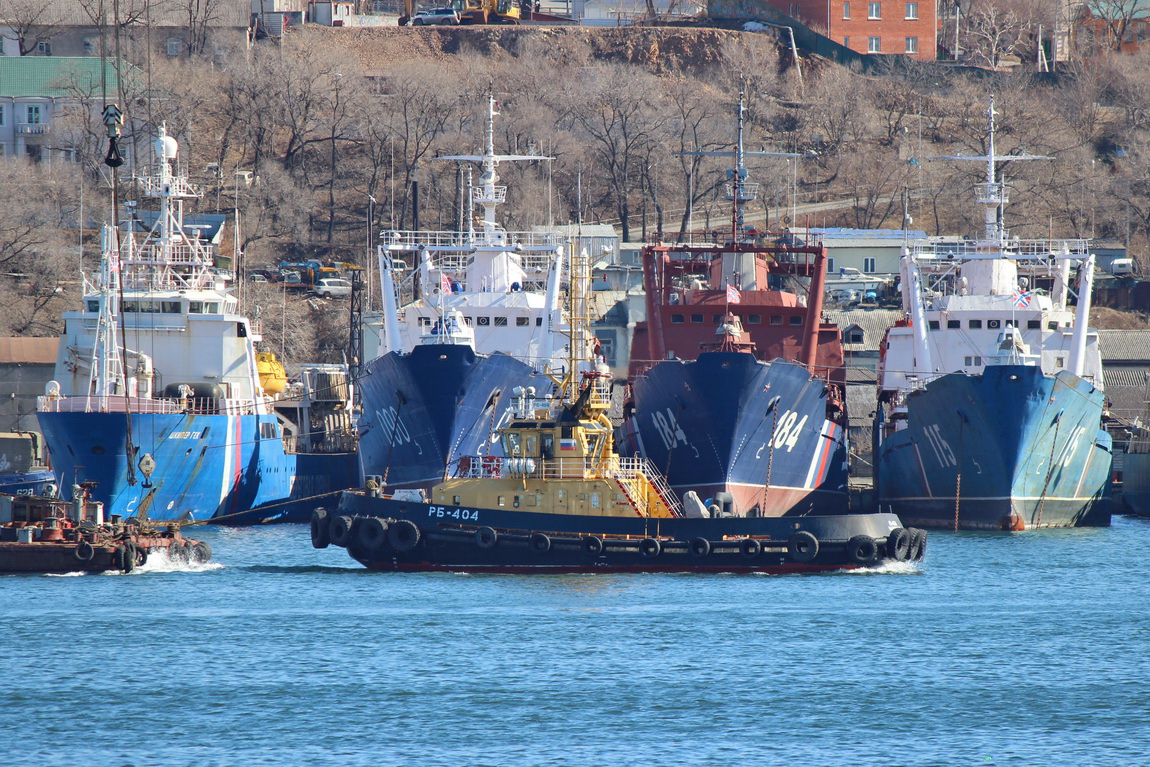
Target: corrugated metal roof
[1124, 345]
[872, 322]
[1114, 377]
[861, 403]
[50, 76]
[28, 350]
[837, 233]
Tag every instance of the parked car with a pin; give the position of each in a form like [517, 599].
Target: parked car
[332, 288]
[435, 16]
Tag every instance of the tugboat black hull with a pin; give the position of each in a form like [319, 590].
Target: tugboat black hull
[391, 535]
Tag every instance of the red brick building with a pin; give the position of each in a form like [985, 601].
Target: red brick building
[872, 26]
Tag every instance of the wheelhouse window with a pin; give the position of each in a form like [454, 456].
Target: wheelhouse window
[975, 324]
[797, 319]
[696, 319]
[953, 324]
[677, 319]
[933, 324]
[754, 319]
[500, 322]
[483, 321]
[522, 322]
[1034, 324]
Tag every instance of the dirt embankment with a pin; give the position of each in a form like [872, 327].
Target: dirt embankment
[660, 50]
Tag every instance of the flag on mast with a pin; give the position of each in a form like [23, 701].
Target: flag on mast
[444, 283]
[1021, 298]
[733, 296]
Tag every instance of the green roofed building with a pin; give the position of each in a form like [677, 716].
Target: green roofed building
[36, 90]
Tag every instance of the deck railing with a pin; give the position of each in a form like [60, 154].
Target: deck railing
[118, 403]
[628, 471]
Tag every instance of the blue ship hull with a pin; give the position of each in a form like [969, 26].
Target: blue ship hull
[727, 422]
[1008, 448]
[431, 406]
[27, 482]
[208, 467]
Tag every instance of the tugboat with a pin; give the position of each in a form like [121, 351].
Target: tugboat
[740, 399]
[560, 499]
[162, 402]
[46, 535]
[22, 468]
[486, 320]
[990, 391]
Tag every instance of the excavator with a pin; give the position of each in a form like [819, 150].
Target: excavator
[489, 12]
[475, 11]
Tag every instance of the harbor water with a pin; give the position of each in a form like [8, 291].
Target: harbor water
[998, 649]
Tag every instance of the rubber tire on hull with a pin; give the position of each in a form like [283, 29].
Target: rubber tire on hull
[178, 552]
[898, 544]
[403, 536]
[84, 552]
[540, 542]
[862, 550]
[200, 553]
[486, 538]
[126, 558]
[141, 555]
[339, 531]
[700, 548]
[750, 548]
[593, 545]
[371, 533]
[320, 520]
[803, 546]
[649, 548]
[917, 548]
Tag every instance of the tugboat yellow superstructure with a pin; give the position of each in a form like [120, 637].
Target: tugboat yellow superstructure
[560, 460]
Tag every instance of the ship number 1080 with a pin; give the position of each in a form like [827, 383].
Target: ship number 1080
[443, 512]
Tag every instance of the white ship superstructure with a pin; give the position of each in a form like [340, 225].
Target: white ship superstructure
[503, 284]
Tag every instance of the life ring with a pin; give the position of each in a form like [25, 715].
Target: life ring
[403, 536]
[125, 558]
[339, 531]
[541, 542]
[750, 548]
[649, 548]
[803, 546]
[898, 544]
[371, 533]
[319, 529]
[200, 552]
[862, 550]
[700, 547]
[486, 538]
[593, 545]
[84, 551]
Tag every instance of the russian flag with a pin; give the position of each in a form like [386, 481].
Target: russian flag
[566, 444]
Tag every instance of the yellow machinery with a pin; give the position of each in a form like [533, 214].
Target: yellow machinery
[489, 12]
[273, 377]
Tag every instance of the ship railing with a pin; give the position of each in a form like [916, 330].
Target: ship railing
[1024, 250]
[468, 241]
[327, 445]
[118, 403]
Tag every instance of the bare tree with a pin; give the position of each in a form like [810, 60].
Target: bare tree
[201, 15]
[28, 22]
[621, 116]
[1114, 18]
[997, 28]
